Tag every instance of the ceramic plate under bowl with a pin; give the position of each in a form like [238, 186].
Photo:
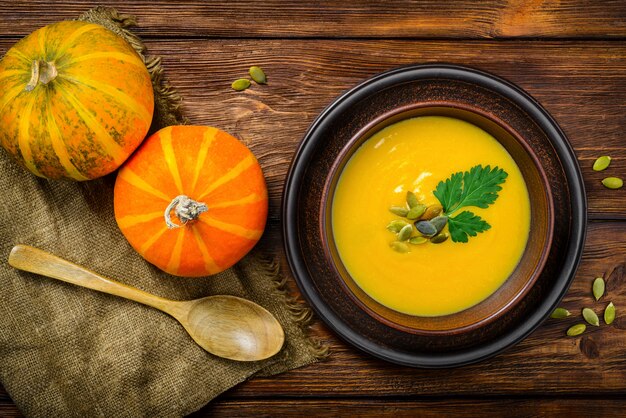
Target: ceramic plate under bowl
[406, 92]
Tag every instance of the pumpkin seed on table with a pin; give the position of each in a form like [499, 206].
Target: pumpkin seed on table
[257, 74]
[598, 288]
[411, 199]
[560, 313]
[400, 247]
[576, 330]
[417, 240]
[602, 163]
[399, 210]
[405, 232]
[609, 313]
[439, 238]
[241, 84]
[396, 225]
[613, 182]
[416, 211]
[591, 317]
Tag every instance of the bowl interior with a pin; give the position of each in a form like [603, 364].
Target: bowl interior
[529, 266]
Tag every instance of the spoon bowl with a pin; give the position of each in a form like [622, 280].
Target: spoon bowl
[226, 326]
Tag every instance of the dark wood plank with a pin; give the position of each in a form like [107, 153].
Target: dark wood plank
[333, 18]
[477, 408]
[547, 362]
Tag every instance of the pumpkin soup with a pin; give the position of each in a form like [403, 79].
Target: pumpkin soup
[430, 216]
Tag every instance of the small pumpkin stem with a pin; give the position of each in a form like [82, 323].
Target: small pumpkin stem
[41, 72]
[186, 210]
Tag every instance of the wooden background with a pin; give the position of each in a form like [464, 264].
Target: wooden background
[568, 54]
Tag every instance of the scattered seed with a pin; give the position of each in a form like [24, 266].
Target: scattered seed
[411, 199]
[405, 232]
[241, 84]
[400, 247]
[415, 212]
[439, 238]
[439, 222]
[576, 330]
[609, 313]
[560, 313]
[602, 163]
[399, 210]
[257, 75]
[396, 225]
[613, 182]
[591, 317]
[431, 212]
[417, 240]
[426, 228]
[598, 288]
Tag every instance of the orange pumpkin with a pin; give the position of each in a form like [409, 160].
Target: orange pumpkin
[191, 200]
[75, 101]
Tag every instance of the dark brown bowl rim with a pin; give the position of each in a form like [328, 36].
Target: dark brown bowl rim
[306, 151]
[328, 195]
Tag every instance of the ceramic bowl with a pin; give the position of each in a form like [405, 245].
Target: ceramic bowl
[558, 215]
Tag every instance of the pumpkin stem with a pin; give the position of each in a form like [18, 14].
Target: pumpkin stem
[186, 210]
[41, 72]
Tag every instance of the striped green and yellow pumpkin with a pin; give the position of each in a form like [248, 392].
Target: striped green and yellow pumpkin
[191, 200]
[75, 101]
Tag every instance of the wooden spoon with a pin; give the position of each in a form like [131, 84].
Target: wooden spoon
[226, 326]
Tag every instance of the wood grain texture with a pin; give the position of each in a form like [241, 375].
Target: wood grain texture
[476, 408]
[333, 18]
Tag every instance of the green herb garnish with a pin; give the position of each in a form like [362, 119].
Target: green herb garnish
[477, 187]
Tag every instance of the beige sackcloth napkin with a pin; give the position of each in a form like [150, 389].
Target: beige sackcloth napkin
[70, 351]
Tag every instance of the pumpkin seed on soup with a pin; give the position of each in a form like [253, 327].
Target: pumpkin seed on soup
[439, 238]
[613, 182]
[591, 317]
[411, 199]
[602, 163]
[400, 247]
[560, 313]
[241, 84]
[426, 228]
[257, 74]
[399, 210]
[405, 232]
[416, 211]
[396, 225]
[417, 240]
[431, 212]
[576, 330]
[598, 288]
[609, 313]
[439, 222]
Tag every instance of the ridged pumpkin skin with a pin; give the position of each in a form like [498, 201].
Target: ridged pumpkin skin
[86, 121]
[209, 166]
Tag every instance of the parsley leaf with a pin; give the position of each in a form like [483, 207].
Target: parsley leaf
[466, 224]
[478, 187]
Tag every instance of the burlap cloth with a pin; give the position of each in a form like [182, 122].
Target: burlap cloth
[70, 351]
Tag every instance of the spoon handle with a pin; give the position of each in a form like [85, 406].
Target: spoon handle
[34, 260]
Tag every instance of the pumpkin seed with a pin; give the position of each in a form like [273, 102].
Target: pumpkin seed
[431, 212]
[396, 225]
[400, 247]
[399, 210]
[591, 317]
[426, 228]
[613, 182]
[575, 330]
[560, 313]
[609, 313]
[257, 75]
[411, 199]
[241, 84]
[598, 288]
[439, 238]
[439, 222]
[405, 233]
[417, 240]
[602, 163]
[416, 212]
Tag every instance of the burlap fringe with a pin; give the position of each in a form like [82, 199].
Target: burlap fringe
[167, 102]
[301, 314]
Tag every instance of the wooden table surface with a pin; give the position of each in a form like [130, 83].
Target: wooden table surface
[569, 54]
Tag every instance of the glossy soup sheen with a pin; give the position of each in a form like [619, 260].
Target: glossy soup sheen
[432, 279]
